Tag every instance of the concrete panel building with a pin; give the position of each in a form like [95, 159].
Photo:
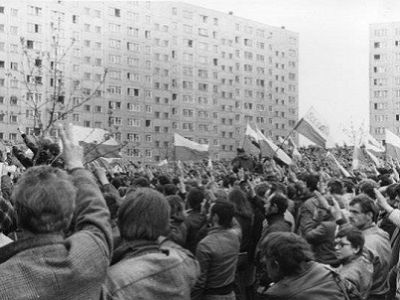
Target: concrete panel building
[384, 79]
[169, 66]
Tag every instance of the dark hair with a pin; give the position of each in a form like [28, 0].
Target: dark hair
[367, 187]
[311, 181]
[194, 198]
[144, 215]
[335, 186]
[281, 201]
[288, 249]
[393, 191]
[261, 189]
[112, 203]
[170, 189]
[366, 204]
[141, 182]
[278, 187]
[348, 185]
[176, 204]
[225, 211]
[384, 180]
[240, 203]
[163, 179]
[354, 236]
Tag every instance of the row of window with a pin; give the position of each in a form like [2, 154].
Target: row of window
[384, 31]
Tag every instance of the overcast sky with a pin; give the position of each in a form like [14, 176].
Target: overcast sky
[334, 46]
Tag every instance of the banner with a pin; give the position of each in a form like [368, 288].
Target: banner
[313, 127]
[188, 150]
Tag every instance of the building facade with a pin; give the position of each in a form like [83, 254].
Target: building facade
[144, 70]
[384, 79]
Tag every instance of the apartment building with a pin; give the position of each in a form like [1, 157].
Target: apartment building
[168, 67]
[384, 79]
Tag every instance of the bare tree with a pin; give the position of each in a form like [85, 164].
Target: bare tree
[58, 100]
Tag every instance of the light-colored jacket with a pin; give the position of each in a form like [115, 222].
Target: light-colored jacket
[49, 266]
[147, 271]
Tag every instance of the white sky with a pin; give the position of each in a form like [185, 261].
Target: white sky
[334, 49]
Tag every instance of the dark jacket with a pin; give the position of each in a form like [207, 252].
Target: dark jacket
[317, 282]
[243, 161]
[305, 220]
[217, 254]
[194, 222]
[322, 240]
[377, 249]
[357, 276]
[49, 266]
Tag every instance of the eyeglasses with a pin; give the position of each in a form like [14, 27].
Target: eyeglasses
[340, 245]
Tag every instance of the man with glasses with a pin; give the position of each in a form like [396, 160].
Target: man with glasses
[355, 268]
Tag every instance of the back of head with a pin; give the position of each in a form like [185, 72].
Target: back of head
[194, 198]
[225, 211]
[176, 205]
[163, 179]
[311, 182]
[335, 186]
[367, 187]
[144, 215]
[280, 201]
[240, 203]
[170, 189]
[288, 249]
[140, 182]
[44, 200]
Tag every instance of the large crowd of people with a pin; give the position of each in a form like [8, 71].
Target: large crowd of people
[243, 229]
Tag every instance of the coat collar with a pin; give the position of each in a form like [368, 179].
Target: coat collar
[129, 249]
[35, 241]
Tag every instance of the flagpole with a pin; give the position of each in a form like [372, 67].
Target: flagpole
[290, 132]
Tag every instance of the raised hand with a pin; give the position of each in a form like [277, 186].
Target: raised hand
[72, 153]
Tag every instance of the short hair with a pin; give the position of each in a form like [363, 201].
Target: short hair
[176, 204]
[170, 189]
[288, 249]
[225, 211]
[163, 179]
[366, 204]
[281, 202]
[278, 187]
[393, 191]
[144, 215]
[311, 181]
[336, 186]
[367, 187]
[261, 189]
[354, 236]
[44, 199]
[348, 185]
[141, 182]
[194, 198]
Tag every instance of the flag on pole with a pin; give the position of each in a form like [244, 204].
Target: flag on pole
[342, 170]
[268, 148]
[295, 151]
[186, 149]
[96, 143]
[250, 141]
[392, 144]
[372, 144]
[313, 127]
